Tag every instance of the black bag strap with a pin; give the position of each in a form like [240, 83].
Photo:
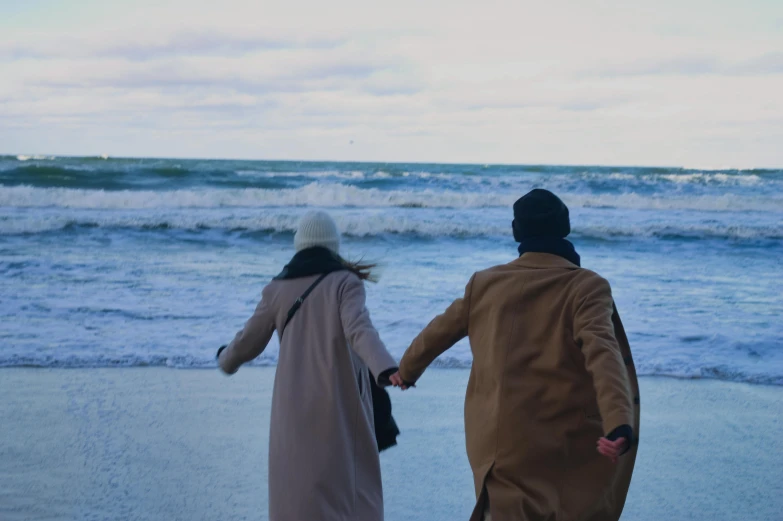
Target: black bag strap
[298, 303]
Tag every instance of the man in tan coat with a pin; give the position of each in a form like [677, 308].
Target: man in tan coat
[552, 405]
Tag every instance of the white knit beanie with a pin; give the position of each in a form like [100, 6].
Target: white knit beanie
[317, 228]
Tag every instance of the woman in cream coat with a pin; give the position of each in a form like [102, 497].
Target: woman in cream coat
[323, 457]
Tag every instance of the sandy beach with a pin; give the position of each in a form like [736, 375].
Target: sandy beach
[164, 444]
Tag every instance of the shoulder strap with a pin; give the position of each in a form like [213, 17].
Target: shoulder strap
[298, 303]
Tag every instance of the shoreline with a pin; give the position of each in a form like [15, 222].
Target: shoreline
[273, 366]
[151, 444]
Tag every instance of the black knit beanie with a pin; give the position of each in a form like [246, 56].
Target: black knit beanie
[540, 213]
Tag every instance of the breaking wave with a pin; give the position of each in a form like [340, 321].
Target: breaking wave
[364, 225]
[345, 196]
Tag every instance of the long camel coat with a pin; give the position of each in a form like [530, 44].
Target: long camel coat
[323, 457]
[552, 373]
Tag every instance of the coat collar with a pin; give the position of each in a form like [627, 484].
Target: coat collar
[543, 261]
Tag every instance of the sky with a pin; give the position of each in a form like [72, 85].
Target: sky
[693, 83]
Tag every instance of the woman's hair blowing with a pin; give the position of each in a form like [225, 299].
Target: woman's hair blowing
[361, 269]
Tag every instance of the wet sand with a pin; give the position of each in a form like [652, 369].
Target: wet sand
[165, 444]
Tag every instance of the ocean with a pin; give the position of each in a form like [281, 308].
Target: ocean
[110, 262]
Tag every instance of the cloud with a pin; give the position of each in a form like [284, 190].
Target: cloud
[524, 95]
[140, 46]
[497, 81]
[765, 64]
[586, 106]
[770, 63]
[209, 44]
[281, 70]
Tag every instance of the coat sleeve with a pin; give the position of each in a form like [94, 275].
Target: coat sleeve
[360, 332]
[443, 332]
[252, 339]
[594, 333]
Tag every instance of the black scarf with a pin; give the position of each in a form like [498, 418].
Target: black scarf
[553, 245]
[312, 261]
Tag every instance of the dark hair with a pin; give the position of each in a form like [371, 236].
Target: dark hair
[361, 269]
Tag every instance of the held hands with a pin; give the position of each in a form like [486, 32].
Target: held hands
[397, 381]
[612, 449]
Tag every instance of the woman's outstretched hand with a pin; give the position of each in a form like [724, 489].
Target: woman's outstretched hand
[397, 381]
[611, 449]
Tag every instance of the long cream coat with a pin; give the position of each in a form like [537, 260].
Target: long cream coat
[323, 457]
[552, 373]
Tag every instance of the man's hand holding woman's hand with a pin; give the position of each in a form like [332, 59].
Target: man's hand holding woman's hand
[397, 381]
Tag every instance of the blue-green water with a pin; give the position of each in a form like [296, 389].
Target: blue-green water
[122, 262]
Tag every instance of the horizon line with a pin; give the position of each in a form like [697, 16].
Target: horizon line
[32, 156]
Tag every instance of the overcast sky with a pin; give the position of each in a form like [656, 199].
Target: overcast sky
[695, 83]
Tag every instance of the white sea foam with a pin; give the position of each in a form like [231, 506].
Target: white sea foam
[314, 194]
[334, 174]
[718, 368]
[619, 176]
[718, 178]
[713, 168]
[272, 222]
[343, 196]
[34, 158]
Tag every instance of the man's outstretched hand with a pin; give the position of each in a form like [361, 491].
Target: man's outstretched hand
[612, 449]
